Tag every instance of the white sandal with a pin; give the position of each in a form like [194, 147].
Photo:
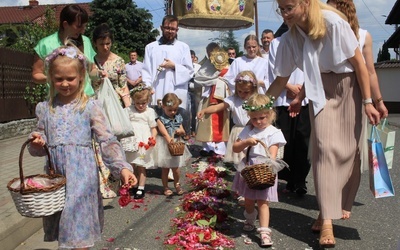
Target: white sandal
[250, 219]
[265, 236]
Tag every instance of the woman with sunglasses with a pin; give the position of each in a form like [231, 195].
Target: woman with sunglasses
[322, 44]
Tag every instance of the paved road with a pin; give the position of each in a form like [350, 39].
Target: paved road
[375, 223]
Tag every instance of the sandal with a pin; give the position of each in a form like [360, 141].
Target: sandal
[326, 238]
[179, 190]
[345, 215]
[316, 227]
[167, 192]
[265, 235]
[248, 227]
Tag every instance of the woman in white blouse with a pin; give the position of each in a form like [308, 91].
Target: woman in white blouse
[321, 43]
[252, 61]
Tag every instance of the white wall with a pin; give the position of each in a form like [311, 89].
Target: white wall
[389, 81]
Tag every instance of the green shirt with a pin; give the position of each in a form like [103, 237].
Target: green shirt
[52, 42]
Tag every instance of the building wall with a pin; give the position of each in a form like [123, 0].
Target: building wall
[389, 81]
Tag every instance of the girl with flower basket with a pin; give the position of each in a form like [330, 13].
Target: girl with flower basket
[169, 125]
[66, 123]
[261, 113]
[139, 148]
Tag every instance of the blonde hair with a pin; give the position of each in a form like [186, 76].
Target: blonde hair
[171, 100]
[246, 77]
[315, 19]
[348, 8]
[261, 103]
[141, 90]
[62, 56]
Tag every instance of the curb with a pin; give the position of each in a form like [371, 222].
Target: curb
[19, 232]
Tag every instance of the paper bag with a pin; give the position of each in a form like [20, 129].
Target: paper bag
[379, 178]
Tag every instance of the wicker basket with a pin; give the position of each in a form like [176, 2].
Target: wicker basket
[33, 201]
[176, 148]
[258, 176]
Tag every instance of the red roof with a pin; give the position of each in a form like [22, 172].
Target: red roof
[21, 14]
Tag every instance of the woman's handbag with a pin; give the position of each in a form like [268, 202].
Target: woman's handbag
[258, 176]
[37, 195]
[118, 117]
[379, 178]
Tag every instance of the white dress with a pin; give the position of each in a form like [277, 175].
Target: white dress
[168, 80]
[258, 65]
[240, 119]
[142, 124]
[270, 136]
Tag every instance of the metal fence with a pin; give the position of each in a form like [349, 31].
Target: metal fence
[15, 75]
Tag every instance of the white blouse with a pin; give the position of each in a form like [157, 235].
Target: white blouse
[328, 54]
[258, 65]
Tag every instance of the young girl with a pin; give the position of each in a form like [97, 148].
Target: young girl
[169, 125]
[139, 148]
[66, 123]
[245, 85]
[259, 109]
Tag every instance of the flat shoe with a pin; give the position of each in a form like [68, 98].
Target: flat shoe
[179, 190]
[345, 215]
[248, 227]
[139, 194]
[168, 192]
[326, 238]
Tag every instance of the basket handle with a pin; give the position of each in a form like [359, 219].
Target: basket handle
[21, 171]
[249, 147]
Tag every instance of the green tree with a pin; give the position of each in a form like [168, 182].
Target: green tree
[226, 40]
[383, 54]
[24, 37]
[132, 26]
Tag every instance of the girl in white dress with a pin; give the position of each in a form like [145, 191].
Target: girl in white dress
[139, 148]
[252, 61]
[245, 85]
[262, 115]
[169, 125]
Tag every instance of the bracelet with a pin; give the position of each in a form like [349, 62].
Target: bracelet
[378, 100]
[125, 95]
[367, 101]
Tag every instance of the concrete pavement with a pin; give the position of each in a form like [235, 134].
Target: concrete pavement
[375, 223]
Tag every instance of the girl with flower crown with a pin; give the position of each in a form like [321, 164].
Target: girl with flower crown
[245, 86]
[169, 125]
[262, 115]
[66, 123]
[139, 148]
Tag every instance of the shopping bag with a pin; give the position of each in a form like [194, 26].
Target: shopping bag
[387, 136]
[118, 117]
[379, 178]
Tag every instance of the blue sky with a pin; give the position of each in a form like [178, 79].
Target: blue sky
[371, 13]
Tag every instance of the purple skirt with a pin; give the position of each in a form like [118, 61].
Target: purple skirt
[269, 194]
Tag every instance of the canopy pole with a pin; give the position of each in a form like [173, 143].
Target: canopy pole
[256, 17]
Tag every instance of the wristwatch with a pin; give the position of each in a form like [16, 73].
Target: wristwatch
[367, 101]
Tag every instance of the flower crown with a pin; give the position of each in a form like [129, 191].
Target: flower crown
[268, 105]
[70, 52]
[139, 88]
[246, 78]
[169, 103]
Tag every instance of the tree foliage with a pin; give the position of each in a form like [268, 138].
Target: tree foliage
[383, 54]
[227, 39]
[24, 37]
[132, 27]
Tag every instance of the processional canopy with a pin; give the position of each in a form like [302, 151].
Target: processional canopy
[214, 14]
